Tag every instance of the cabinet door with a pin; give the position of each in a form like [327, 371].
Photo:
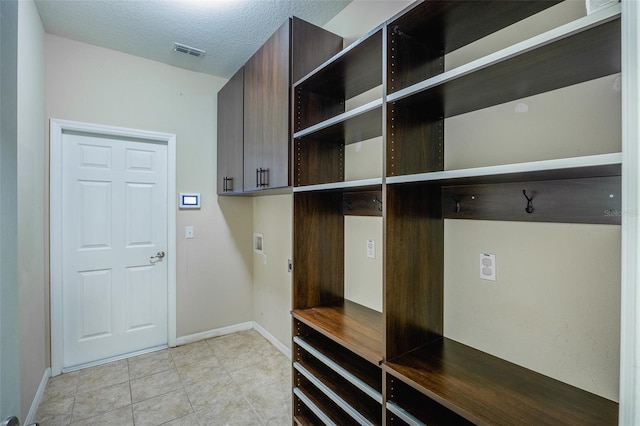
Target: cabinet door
[230, 135]
[266, 117]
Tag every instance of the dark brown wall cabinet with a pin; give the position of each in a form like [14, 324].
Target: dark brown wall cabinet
[354, 365]
[294, 50]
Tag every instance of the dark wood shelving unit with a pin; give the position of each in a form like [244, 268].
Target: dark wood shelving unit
[488, 390]
[399, 361]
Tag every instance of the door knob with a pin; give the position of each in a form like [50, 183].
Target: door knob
[159, 255]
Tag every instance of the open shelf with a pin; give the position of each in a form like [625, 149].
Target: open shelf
[356, 185]
[362, 410]
[352, 71]
[583, 50]
[405, 405]
[365, 377]
[362, 123]
[315, 406]
[562, 168]
[420, 36]
[353, 326]
[485, 389]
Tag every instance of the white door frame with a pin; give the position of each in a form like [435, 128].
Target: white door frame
[629, 413]
[57, 129]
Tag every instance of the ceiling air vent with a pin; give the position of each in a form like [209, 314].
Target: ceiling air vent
[188, 50]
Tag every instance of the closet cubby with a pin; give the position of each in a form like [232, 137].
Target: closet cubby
[407, 406]
[580, 51]
[420, 37]
[336, 105]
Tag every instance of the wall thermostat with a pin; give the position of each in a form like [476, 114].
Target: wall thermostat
[189, 200]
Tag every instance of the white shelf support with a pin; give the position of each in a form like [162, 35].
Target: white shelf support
[630, 292]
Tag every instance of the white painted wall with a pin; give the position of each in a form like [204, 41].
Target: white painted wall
[32, 265]
[9, 290]
[91, 84]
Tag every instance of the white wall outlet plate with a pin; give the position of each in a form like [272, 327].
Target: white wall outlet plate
[488, 266]
[371, 249]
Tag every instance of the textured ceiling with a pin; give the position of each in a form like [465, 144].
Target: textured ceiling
[230, 31]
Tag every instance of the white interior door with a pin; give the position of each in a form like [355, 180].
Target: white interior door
[114, 225]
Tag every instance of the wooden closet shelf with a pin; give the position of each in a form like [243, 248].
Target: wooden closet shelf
[354, 326]
[488, 390]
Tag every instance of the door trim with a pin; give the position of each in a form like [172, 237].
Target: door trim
[56, 131]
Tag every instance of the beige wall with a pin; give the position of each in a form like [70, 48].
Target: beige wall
[32, 267]
[555, 304]
[91, 84]
[271, 279]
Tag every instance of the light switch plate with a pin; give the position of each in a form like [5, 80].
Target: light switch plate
[188, 232]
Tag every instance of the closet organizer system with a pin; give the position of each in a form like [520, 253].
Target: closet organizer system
[355, 365]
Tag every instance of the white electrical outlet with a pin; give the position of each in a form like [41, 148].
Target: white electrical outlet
[371, 249]
[488, 266]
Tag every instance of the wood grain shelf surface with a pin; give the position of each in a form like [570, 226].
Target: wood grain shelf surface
[488, 390]
[577, 52]
[354, 326]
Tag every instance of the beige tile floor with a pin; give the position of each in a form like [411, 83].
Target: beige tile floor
[237, 379]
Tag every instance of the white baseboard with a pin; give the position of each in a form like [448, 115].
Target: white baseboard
[249, 325]
[275, 342]
[33, 410]
[190, 338]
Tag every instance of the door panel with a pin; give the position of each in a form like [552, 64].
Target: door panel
[231, 135]
[275, 134]
[114, 220]
[255, 73]
[96, 288]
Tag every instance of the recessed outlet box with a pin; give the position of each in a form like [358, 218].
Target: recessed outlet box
[488, 266]
[258, 243]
